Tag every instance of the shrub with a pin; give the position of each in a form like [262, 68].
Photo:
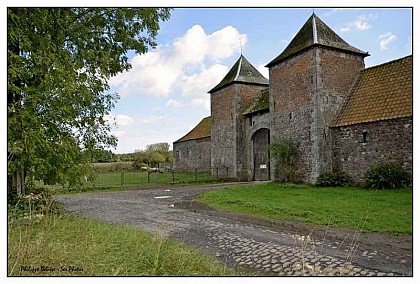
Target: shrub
[286, 152]
[387, 176]
[333, 179]
[37, 202]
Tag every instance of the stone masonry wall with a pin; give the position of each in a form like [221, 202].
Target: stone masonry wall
[305, 93]
[253, 123]
[245, 94]
[223, 136]
[193, 154]
[336, 75]
[386, 141]
[291, 107]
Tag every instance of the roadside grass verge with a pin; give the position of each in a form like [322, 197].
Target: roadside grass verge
[376, 211]
[76, 246]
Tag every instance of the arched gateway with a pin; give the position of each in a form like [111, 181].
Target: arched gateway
[261, 154]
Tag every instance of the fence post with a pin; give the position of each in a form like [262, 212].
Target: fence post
[173, 175]
[148, 176]
[195, 174]
[122, 178]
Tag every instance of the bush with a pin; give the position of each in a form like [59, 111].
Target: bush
[387, 176]
[286, 152]
[333, 179]
[37, 202]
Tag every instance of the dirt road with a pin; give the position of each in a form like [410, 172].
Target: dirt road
[256, 244]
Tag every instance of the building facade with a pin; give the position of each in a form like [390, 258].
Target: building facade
[319, 94]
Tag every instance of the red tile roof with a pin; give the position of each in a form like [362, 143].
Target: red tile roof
[202, 130]
[381, 92]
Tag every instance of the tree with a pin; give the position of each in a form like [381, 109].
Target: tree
[148, 157]
[59, 61]
[159, 147]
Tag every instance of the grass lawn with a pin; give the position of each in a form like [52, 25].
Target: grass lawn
[383, 211]
[80, 246]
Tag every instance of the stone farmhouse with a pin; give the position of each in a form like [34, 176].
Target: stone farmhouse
[345, 117]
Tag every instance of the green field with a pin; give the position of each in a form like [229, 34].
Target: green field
[135, 179]
[143, 179]
[385, 211]
[75, 246]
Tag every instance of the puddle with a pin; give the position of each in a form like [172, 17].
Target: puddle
[162, 197]
[168, 190]
[172, 205]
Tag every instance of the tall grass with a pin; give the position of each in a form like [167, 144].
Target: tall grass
[65, 245]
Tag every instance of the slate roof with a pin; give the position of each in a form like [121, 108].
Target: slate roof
[260, 103]
[242, 71]
[315, 32]
[202, 130]
[381, 92]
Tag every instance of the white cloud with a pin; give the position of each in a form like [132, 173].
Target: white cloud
[335, 10]
[123, 120]
[263, 70]
[385, 40]
[154, 119]
[158, 72]
[118, 120]
[360, 23]
[198, 84]
[119, 133]
[174, 103]
[345, 29]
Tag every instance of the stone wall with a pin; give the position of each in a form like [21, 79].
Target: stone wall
[229, 148]
[336, 76]
[253, 123]
[291, 107]
[358, 147]
[245, 94]
[193, 154]
[305, 93]
[223, 136]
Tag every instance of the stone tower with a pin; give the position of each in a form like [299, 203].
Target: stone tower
[308, 83]
[229, 99]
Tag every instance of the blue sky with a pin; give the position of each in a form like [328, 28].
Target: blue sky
[165, 94]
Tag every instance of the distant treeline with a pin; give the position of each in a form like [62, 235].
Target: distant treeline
[154, 154]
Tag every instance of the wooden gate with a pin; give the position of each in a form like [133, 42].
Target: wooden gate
[260, 142]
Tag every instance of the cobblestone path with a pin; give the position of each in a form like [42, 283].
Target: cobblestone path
[255, 248]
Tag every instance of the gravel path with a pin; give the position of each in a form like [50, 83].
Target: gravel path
[258, 245]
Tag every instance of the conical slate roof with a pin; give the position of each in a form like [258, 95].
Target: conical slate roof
[242, 72]
[315, 32]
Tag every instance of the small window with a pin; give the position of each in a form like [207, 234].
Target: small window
[290, 116]
[365, 137]
[250, 121]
